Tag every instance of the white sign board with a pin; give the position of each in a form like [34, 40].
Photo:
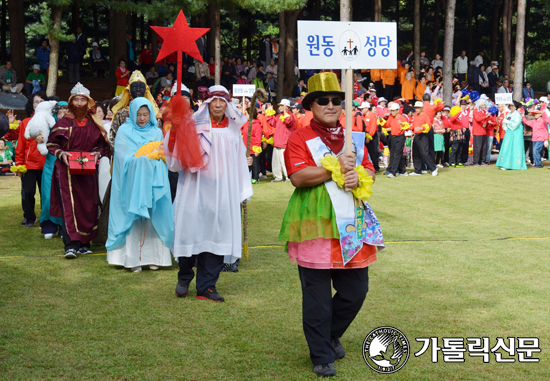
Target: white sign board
[347, 45]
[503, 98]
[243, 90]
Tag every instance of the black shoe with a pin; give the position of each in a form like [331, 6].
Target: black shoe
[325, 370]
[24, 222]
[70, 254]
[29, 224]
[84, 250]
[338, 348]
[211, 294]
[231, 267]
[182, 290]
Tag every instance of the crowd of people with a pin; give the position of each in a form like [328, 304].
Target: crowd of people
[165, 173]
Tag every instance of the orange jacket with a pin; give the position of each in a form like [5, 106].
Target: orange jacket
[375, 75]
[388, 77]
[407, 89]
[419, 92]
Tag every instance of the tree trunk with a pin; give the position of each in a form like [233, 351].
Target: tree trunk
[210, 38]
[133, 30]
[281, 50]
[76, 15]
[448, 52]
[520, 53]
[117, 36]
[142, 32]
[494, 31]
[154, 41]
[470, 31]
[506, 37]
[377, 10]
[290, 77]
[527, 24]
[16, 9]
[249, 33]
[397, 14]
[317, 9]
[3, 50]
[416, 43]
[345, 15]
[217, 45]
[435, 43]
[96, 23]
[57, 15]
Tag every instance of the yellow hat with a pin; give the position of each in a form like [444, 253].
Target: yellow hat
[322, 84]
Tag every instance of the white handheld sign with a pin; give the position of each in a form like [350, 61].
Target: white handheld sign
[503, 98]
[347, 45]
[243, 90]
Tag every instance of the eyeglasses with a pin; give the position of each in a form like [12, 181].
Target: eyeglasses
[325, 101]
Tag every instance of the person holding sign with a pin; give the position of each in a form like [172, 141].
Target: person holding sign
[332, 234]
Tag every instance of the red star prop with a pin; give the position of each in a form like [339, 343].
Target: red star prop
[180, 37]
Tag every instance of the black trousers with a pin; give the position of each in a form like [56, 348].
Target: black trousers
[256, 167]
[262, 162]
[388, 92]
[528, 144]
[268, 157]
[379, 88]
[439, 157]
[209, 267]
[431, 143]
[480, 148]
[324, 316]
[447, 139]
[397, 161]
[456, 152]
[421, 153]
[29, 181]
[462, 77]
[372, 147]
[465, 147]
[173, 179]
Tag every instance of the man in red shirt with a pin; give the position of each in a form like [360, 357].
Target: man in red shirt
[421, 144]
[320, 256]
[479, 131]
[284, 125]
[370, 126]
[396, 122]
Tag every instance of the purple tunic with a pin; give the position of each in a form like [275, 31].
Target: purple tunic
[75, 198]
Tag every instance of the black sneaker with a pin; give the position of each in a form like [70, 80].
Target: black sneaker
[70, 254]
[29, 225]
[338, 348]
[325, 370]
[211, 294]
[24, 222]
[84, 250]
[231, 267]
[182, 290]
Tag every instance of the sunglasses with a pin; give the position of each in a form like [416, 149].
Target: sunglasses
[325, 101]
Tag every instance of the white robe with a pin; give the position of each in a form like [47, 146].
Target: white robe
[133, 254]
[207, 212]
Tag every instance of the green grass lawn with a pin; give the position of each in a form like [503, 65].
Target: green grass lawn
[445, 273]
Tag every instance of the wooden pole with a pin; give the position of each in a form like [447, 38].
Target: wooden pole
[180, 72]
[349, 107]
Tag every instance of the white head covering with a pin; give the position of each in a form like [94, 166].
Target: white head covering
[175, 88]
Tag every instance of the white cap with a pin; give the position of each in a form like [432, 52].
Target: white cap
[285, 102]
[175, 88]
[394, 106]
[36, 67]
[95, 44]
[372, 89]
[418, 104]
[543, 99]
[496, 63]
[364, 105]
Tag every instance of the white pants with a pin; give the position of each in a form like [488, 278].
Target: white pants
[7, 88]
[278, 163]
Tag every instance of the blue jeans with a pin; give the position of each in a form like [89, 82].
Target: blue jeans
[30, 91]
[537, 149]
[489, 149]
